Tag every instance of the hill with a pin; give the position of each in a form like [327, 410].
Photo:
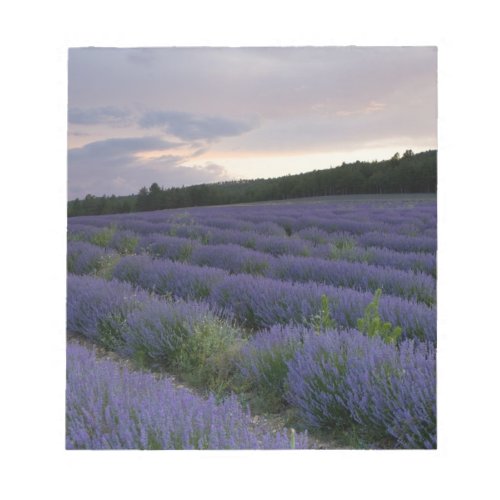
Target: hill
[411, 173]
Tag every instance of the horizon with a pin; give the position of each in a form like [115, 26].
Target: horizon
[250, 180]
[190, 116]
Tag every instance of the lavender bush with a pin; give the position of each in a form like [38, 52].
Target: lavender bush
[187, 338]
[358, 276]
[169, 278]
[95, 307]
[390, 390]
[232, 258]
[159, 329]
[169, 247]
[398, 242]
[85, 258]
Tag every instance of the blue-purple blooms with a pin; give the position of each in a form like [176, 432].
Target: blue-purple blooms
[354, 218]
[232, 258]
[85, 258]
[338, 245]
[110, 407]
[92, 301]
[356, 275]
[276, 245]
[78, 231]
[340, 376]
[401, 243]
[260, 302]
[236, 259]
[408, 261]
[169, 247]
[169, 278]
[159, 330]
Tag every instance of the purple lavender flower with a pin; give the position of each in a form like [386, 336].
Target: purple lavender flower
[85, 258]
[91, 301]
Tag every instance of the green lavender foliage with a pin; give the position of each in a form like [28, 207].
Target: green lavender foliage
[110, 330]
[372, 325]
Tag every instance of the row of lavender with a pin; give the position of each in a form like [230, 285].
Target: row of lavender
[302, 241]
[254, 301]
[236, 260]
[280, 220]
[109, 407]
[181, 242]
[331, 377]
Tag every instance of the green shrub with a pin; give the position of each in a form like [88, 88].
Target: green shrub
[127, 245]
[103, 238]
[207, 357]
[372, 325]
[323, 320]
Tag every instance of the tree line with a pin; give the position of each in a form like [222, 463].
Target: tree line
[408, 173]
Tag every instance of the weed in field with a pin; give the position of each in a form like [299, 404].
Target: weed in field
[103, 238]
[372, 325]
[124, 243]
[323, 320]
[207, 357]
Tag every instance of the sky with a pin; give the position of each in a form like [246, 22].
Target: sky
[184, 116]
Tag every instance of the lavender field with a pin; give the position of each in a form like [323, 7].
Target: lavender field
[319, 315]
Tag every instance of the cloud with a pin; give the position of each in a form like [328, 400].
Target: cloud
[273, 82]
[78, 134]
[110, 148]
[111, 115]
[189, 126]
[116, 166]
[207, 94]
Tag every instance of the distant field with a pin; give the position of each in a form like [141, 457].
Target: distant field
[319, 313]
[410, 197]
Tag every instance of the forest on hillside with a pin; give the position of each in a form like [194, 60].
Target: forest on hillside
[409, 173]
